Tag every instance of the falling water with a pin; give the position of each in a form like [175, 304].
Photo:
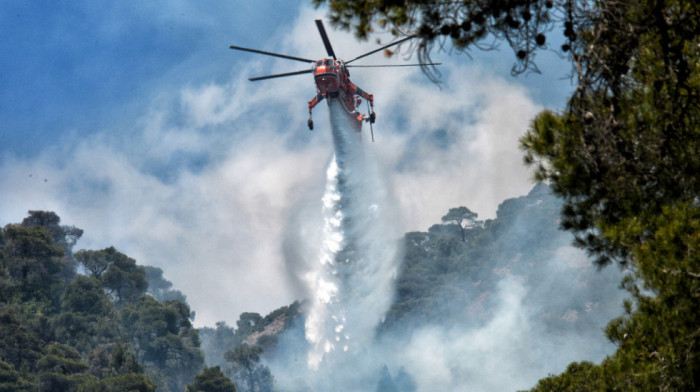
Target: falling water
[352, 282]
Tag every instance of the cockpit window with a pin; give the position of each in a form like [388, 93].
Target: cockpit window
[325, 62]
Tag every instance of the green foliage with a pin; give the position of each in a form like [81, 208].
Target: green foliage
[466, 24]
[125, 280]
[123, 361]
[129, 382]
[657, 341]
[445, 279]
[12, 381]
[88, 318]
[164, 340]
[160, 288]
[33, 268]
[60, 358]
[211, 379]
[63, 236]
[64, 332]
[625, 160]
[244, 356]
[118, 273]
[248, 373]
[20, 346]
[216, 341]
[96, 262]
[85, 295]
[247, 323]
[253, 330]
[583, 376]
[459, 215]
[60, 369]
[629, 143]
[623, 156]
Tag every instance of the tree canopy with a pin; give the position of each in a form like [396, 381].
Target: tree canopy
[249, 373]
[61, 330]
[623, 155]
[211, 379]
[462, 217]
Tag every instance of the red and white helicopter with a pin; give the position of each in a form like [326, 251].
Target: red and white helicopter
[333, 78]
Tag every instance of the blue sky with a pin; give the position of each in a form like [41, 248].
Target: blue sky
[135, 122]
[81, 65]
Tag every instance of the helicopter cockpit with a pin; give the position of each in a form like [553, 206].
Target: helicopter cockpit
[326, 75]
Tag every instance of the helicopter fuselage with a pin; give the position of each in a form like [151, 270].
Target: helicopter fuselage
[330, 75]
[333, 81]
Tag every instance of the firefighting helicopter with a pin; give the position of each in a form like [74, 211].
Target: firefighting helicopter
[332, 79]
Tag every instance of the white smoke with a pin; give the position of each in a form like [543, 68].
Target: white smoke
[350, 278]
[348, 270]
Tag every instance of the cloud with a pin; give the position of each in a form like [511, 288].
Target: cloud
[203, 181]
[458, 145]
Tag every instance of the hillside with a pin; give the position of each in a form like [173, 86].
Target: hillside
[447, 279]
[87, 320]
[456, 286]
[95, 318]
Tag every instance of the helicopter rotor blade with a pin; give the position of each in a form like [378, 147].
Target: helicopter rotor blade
[281, 75]
[392, 65]
[382, 48]
[284, 56]
[324, 37]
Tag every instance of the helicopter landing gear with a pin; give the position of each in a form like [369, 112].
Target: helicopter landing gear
[310, 123]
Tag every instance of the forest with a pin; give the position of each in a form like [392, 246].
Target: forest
[98, 320]
[618, 177]
[622, 155]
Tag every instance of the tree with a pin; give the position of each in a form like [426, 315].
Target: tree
[164, 340]
[250, 375]
[246, 324]
[584, 376]
[61, 369]
[129, 382]
[96, 262]
[19, 345]
[118, 371]
[125, 280]
[216, 341]
[459, 215]
[33, 267]
[65, 236]
[623, 155]
[123, 361]
[465, 24]
[211, 379]
[85, 295]
[119, 274]
[624, 158]
[12, 381]
[88, 319]
[160, 288]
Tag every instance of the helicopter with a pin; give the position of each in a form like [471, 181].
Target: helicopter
[332, 79]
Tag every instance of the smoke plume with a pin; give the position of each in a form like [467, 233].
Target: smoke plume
[343, 251]
[349, 277]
